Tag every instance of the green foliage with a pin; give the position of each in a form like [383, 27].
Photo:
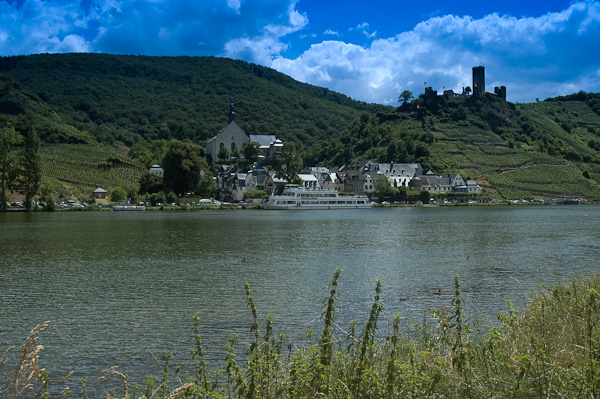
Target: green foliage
[424, 196]
[223, 153]
[207, 186]
[47, 199]
[405, 96]
[31, 176]
[251, 151]
[290, 164]
[9, 161]
[383, 187]
[118, 194]
[150, 183]
[129, 99]
[255, 194]
[183, 167]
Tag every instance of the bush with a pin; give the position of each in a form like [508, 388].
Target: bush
[118, 194]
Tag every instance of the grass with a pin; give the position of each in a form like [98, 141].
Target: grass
[551, 349]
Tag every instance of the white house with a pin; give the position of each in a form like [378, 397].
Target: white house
[157, 170]
[309, 180]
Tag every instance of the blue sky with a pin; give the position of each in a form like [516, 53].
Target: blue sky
[369, 50]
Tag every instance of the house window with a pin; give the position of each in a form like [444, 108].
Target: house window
[232, 147]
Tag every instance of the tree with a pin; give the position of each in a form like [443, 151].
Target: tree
[150, 183]
[171, 197]
[424, 196]
[467, 90]
[383, 187]
[118, 194]
[405, 96]
[48, 199]
[402, 193]
[9, 155]
[157, 198]
[183, 166]
[223, 153]
[251, 150]
[31, 176]
[290, 164]
[207, 186]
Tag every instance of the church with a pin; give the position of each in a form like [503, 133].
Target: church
[233, 137]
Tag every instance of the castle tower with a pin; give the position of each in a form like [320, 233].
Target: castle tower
[478, 80]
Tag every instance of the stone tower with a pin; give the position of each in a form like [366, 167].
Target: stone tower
[478, 80]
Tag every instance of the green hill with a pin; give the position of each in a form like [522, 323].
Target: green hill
[91, 109]
[549, 148]
[109, 98]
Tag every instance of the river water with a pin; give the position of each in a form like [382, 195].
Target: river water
[124, 287]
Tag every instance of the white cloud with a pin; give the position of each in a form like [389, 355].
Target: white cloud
[234, 4]
[534, 57]
[331, 32]
[263, 48]
[72, 44]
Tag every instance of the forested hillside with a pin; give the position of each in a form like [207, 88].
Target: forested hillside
[80, 98]
[116, 103]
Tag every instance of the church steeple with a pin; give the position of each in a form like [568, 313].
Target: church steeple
[231, 113]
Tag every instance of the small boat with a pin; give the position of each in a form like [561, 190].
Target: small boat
[125, 205]
[298, 197]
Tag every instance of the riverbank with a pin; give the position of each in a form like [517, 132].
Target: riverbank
[551, 349]
[170, 208]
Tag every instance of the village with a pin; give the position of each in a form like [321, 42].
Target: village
[359, 178]
[234, 184]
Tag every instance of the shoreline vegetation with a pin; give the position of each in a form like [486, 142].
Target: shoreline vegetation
[551, 349]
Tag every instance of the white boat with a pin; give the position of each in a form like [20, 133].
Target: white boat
[297, 197]
[127, 206]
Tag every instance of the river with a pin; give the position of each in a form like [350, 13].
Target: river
[124, 287]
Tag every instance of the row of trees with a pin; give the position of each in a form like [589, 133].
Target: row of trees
[20, 164]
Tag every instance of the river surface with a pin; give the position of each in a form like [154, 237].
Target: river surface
[124, 287]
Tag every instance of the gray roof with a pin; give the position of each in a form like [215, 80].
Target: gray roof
[263, 140]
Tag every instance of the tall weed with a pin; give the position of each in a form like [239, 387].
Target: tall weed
[551, 349]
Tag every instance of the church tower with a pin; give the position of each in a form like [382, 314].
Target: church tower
[231, 113]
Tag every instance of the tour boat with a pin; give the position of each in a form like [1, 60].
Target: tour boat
[297, 197]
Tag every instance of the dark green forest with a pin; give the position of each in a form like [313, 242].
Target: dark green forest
[125, 109]
[82, 98]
